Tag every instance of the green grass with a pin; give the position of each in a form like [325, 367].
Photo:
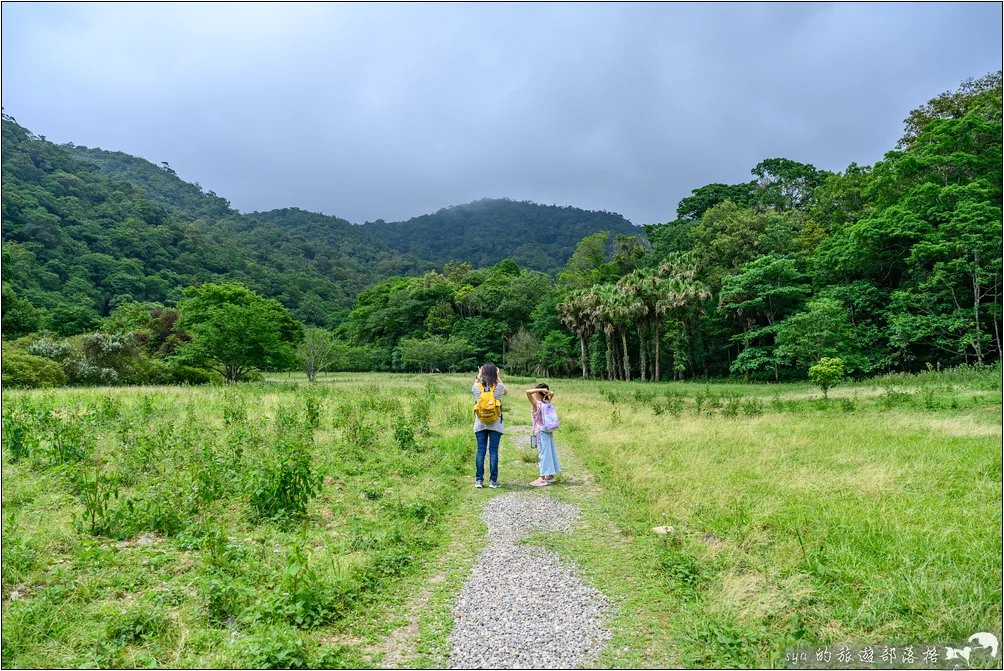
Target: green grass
[873, 517]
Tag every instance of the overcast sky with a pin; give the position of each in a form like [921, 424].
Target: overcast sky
[370, 111]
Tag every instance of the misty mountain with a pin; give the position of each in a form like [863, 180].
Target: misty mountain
[541, 237]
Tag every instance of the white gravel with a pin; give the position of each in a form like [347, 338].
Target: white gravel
[522, 607]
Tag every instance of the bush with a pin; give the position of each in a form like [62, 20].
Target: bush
[287, 482]
[191, 375]
[138, 623]
[753, 407]
[152, 371]
[30, 372]
[827, 373]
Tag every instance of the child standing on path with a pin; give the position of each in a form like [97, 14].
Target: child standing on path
[547, 453]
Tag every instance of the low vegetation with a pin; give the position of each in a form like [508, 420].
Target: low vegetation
[282, 523]
[211, 527]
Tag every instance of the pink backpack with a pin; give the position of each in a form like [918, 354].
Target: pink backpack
[549, 417]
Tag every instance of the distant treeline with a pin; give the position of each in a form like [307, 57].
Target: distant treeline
[896, 266]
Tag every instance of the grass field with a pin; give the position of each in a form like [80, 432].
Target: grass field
[289, 525]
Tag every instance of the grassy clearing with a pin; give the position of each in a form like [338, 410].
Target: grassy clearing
[873, 517]
[263, 525]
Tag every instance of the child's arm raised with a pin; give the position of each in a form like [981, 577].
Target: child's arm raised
[532, 396]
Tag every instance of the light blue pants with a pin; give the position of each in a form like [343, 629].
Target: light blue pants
[547, 454]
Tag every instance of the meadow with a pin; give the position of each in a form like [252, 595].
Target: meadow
[283, 524]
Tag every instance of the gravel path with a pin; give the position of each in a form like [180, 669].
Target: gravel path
[522, 607]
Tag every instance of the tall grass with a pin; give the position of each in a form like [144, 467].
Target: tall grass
[217, 526]
[871, 518]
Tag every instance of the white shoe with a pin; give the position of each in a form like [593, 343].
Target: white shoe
[477, 484]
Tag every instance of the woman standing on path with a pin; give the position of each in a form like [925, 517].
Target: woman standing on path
[547, 453]
[488, 427]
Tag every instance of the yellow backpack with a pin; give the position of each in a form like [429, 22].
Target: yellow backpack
[488, 408]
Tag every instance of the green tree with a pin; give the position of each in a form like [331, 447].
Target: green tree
[19, 316]
[587, 264]
[826, 373]
[436, 354]
[974, 96]
[556, 353]
[784, 184]
[318, 351]
[824, 330]
[523, 353]
[578, 313]
[765, 290]
[236, 331]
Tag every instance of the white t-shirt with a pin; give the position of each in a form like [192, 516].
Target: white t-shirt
[497, 424]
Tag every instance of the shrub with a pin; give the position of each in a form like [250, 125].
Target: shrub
[643, 396]
[138, 623]
[674, 404]
[286, 649]
[29, 371]
[152, 371]
[403, 434]
[699, 403]
[827, 373]
[95, 493]
[225, 597]
[893, 397]
[20, 435]
[70, 441]
[286, 483]
[304, 600]
[420, 412]
[161, 507]
[57, 350]
[753, 407]
[191, 375]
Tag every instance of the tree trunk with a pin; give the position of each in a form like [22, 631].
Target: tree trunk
[642, 353]
[618, 366]
[976, 313]
[627, 360]
[608, 332]
[585, 369]
[657, 350]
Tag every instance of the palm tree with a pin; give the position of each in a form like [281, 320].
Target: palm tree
[679, 291]
[577, 313]
[624, 311]
[643, 287]
[605, 313]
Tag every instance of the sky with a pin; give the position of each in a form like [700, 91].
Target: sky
[387, 111]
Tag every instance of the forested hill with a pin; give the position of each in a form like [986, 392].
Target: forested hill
[86, 230]
[161, 184]
[540, 237]
[83, 236]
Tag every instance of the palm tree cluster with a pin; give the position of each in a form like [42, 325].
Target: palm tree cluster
[644, 301]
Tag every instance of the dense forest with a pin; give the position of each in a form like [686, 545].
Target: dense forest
[485, 232]
[116, 269]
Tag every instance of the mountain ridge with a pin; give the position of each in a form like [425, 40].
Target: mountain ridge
[86, 230]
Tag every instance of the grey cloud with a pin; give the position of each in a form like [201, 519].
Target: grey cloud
[390, 111]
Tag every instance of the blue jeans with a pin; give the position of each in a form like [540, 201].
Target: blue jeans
[487, 440]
